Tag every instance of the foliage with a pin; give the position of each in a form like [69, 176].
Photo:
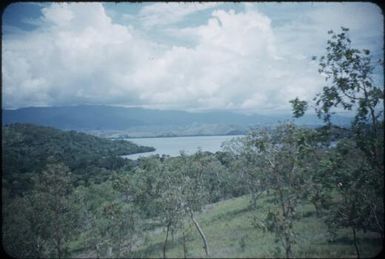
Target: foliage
[27, 147]
[45, 213]
[356, 166]
[246, 163]
[349, 72]
[285, 156]
[228, 222]
[299, 107]
[360, 204]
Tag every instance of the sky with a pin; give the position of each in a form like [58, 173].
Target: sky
[245, 57]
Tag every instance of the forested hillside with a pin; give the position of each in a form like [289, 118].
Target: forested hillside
[27, 148]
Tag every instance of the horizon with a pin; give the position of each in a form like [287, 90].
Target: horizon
[289, 114]
[248, 58]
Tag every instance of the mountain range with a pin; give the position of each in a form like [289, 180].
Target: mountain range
[136, 122]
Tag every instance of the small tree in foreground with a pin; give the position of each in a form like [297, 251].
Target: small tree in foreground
[54, 188]
[358, 173]
[42, 222]
[349, 74]
[248, 165]
[283, 154]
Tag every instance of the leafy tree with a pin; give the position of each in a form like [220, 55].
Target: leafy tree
[247, 163]
[117, 225]
[349, 74]
[357, 166]
[173, 204]
[145, 185]
[299, 107]
[231, 184]
[320, 181]
[22, 229]
[359, 205]
[45, 215]
[156, 190]
[127, 216]
[54, 186]
[172, 189]
[284, 156]
[194, 191]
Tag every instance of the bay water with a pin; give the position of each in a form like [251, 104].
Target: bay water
[172, 146]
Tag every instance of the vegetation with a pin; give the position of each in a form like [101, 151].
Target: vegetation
[283, 192]
[232, 233]
[28, 147]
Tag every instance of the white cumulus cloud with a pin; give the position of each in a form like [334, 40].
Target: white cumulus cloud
[239, 61]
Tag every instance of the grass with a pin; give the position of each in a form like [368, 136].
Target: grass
[230, 234]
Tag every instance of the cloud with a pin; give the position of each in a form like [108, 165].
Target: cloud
[69, 59]
[236, 64]
[160, 14]
[237, 60]
[306, 33]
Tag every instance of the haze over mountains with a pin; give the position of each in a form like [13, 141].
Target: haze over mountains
[135, 122]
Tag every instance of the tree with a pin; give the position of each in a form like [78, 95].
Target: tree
[359, 205]
[54, 188]
[299, 107]
[216, 180]
[349, 74]
[117, 225]
[284, 161]
[358, 169]
[124, 214]
[156, 188]
[93, 221]
[145, 186]
[22, 228]
[173, 205]
[194, 191]
[177, 192]
[248, 165]
[43, 220]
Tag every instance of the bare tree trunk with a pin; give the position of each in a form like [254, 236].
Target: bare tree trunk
[253, 199]
[375, 152]
[289, 253]
[165, 241]
[317, 201]
[205, 245]
[184, 245]
[355, 242]
[58, 247]
[286, 216]
[109, 251]
[317, 209]
[38, 248]
[118, 249]
[129, 247]
[119, 246]
[97, 251]
[373, 209]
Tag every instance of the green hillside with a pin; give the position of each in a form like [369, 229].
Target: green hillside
[230, 234]
[27, 147]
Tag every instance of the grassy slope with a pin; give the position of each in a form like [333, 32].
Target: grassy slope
[227, 223]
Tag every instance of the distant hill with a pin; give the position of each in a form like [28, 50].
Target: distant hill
[27, 148]
[89, 117]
